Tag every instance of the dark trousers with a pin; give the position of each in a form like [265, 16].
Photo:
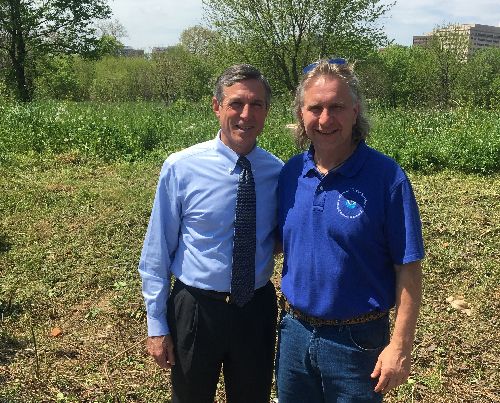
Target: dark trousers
[210, 333]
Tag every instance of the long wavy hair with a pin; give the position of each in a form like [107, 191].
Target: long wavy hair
[344, 72]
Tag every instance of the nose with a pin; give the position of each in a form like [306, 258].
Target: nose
[245, 111]
[326, 117]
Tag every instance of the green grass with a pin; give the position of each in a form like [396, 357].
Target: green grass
[72, 222]
[432, 140]
[70, 238]
[465, 140]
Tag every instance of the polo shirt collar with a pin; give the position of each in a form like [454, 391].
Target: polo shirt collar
[309, 164]
[350, 167]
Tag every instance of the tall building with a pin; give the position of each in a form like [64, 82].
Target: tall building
[475, 36]
[129, 51]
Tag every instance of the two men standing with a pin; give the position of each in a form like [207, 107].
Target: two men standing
[352, 242]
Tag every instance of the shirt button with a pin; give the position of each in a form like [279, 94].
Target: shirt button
[321, 188]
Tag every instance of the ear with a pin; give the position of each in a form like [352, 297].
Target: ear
[215, 106]
[356, 111]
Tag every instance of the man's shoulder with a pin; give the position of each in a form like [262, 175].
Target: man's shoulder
[295, 162]
[192, 152]
[268, 157]
[383, 163]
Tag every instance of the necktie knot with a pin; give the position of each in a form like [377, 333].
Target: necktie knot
[244, 163]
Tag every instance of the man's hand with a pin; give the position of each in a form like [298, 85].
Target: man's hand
[392, 368]
[161, 348]
[394, 362]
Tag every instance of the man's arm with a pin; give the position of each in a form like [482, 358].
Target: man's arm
[393, 365]
[159, 247]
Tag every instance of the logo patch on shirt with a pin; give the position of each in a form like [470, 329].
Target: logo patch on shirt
[351, 203]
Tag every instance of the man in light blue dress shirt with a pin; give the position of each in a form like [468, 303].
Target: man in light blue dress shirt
[193, 328]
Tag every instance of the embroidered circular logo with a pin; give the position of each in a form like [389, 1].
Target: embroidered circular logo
[351, 203]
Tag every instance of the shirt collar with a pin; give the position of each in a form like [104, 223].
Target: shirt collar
[309, 164]
[230, 156]
[349, 168]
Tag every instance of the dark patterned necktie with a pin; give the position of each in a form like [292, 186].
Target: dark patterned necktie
[243, 275]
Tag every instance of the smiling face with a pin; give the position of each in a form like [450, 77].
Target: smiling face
[241, 114]
[329, 114]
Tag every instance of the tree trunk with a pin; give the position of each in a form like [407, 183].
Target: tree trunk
[18, 51]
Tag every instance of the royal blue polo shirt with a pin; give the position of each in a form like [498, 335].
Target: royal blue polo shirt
[343, 233]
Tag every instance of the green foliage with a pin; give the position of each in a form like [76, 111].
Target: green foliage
[199, 40]
[181, 74]
[107, 45]
[450, 50]
[122, 79]
[479, 79]
[400, 76]
[109, 131]
[466, 140]
[58, 79]
[462, 139]
[283, 36]
[34, 29]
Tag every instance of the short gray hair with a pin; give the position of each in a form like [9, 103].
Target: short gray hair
[344, 72]
[237, 73]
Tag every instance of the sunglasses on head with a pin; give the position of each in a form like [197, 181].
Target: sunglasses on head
[337, 60]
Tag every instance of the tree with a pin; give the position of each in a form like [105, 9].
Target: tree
[122, 79]
[31, 28]
[181, 74]
[199, 40]
[282, 36]
[479, 81]
[450, 47]
[113, 28]
[111, 33]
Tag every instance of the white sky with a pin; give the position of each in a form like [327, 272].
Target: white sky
[152, 23]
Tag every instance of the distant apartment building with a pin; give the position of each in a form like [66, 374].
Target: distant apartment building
[129, 51]
[159, 49]
[476, 36]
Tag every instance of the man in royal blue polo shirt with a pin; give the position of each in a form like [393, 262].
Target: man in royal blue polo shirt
[352, 245]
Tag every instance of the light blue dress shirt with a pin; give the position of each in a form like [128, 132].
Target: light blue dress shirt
[190, 232]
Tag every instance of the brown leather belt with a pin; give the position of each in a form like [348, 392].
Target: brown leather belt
[367, 317]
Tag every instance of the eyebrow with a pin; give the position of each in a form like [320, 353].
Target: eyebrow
[241, 100]
[319, 104]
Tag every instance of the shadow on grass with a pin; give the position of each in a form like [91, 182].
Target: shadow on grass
[5, 245]
[9, 309]
[9, 346]
[68, 354]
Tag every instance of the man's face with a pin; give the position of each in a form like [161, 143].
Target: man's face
[329, 115]
[241, 115]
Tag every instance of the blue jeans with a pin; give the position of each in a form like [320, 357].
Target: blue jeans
[328, 363]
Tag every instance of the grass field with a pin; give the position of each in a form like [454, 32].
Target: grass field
[467, 140]
[72, 220]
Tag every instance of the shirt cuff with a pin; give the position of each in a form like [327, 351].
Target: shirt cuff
[157, 327]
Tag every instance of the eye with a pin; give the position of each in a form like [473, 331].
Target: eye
[316, 109]
[236, 104]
